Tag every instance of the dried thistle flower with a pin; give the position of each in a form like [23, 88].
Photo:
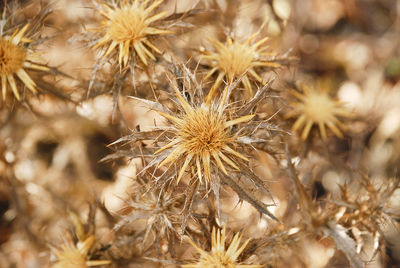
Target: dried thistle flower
[128, 27]
[14, 58]
[234, 58]
[74, 256]
[203, 134]
[204, 139]
[219, 256]
[315, 106]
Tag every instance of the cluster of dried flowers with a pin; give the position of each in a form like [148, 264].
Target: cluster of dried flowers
[198, 134]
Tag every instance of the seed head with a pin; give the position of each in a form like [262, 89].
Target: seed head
[14, 57]
[128, 27]
[203, 135]
[317, 107]
[233, 59]
[219, 257]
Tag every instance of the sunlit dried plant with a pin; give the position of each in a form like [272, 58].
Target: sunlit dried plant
[15, 57]
[316, 106]
[203, 135]
[233, 59]
[219, 255]
[205, 139]
[128, 27]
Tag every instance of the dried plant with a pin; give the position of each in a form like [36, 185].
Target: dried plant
[368, 211]
[204, 138]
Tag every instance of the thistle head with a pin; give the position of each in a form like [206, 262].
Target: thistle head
[233, 59]
[128, 27]
[316, 106]
[14, 59]
[203, 136]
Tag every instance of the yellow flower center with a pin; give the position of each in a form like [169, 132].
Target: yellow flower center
[318, 107]
[203, 131]
[12, 57]
[235, 59]
[127, 24]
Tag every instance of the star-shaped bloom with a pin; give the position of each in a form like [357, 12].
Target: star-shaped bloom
[203, 135]
[14, 59]
[233, 59]
[315, 106]
[127, 27]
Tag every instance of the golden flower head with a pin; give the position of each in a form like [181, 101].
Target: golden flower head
[74, 256]
[219, 257]
[315, 106]
[210, 141]
[128, 27]
[14, 58]
[203, 135]
[233, 59]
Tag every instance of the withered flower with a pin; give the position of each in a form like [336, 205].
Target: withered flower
[203, 135]
[210, 142]
[15, 57]
[127, 27]
[233, 59]
[219, 255]
[316, 106]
